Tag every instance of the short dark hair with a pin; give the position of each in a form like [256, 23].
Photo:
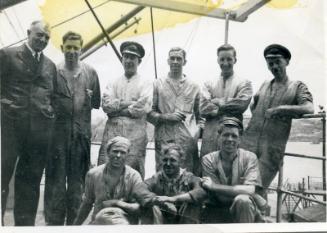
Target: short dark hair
[221, 128]
[70, 35]
[177, 49]
[226, 47]
[173, 146]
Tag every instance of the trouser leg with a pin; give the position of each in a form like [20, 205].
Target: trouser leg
[141, 162]
[27, 188]
[158, 155]
[216, 214]
[157, 215]
[74, 200]
[137, 163]
[78, 166]
[55, 189]
[9, 155]
[267, 174]
[243, 209]
[101, 157]
[28, 174]
[151, 215]
[189, 214]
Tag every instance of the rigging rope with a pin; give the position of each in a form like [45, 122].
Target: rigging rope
[226, 26]
[158, 37]
[62, 22]
[80, 14]
[11, 24]
[192, 35]
[19, 24]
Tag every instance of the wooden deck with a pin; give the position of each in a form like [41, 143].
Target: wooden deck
[315, 213]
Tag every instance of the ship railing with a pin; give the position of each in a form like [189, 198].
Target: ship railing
[305, 195]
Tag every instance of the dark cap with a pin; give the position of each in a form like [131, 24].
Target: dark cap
[132, 47]
[276, 50]
[232, 121]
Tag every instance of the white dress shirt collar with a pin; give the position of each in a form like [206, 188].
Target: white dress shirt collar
[33, 52]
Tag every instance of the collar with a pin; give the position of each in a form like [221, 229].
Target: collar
[180, 80]
[33, 52]
[233, 159]
[61, 68]
[222, 176]
[229, 78]
[107, 168]
[135, 76]
[285, 81]
[173, 180]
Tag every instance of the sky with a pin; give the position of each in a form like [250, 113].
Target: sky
[300, 27]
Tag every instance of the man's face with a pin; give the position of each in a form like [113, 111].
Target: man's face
[171, 163]
[176, 61]
[38, 37]
[226, 61]
[277, 66]
[72, 50]
[117, 156]
[130, 63]
[229, 140]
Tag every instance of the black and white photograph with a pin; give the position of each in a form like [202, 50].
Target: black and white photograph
[163, 115]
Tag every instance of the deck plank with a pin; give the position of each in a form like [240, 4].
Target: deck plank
[315, 213]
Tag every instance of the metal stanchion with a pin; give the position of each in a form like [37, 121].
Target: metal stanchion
[279, 193]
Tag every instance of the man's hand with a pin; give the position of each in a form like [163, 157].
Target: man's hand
[206, 182]
[125, 104]
[173, 117]
[273, 112]
[218, 101]
[111, 203]
[89, 93]
[159, 200]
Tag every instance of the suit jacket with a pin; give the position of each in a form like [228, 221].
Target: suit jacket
[27, 86]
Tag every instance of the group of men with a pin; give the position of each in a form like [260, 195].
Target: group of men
[46, 123]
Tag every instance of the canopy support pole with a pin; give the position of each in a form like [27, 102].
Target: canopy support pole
[227, 14]
[96, 47]
[154, 45]
[104, 31]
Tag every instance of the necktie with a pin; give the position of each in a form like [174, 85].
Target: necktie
[36, 57]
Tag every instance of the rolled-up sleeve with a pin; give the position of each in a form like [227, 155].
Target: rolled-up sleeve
[208, 168]
[144, 103]
[141, 192]
[303, 94]
[110, 103]
[197, 193]
[252, 173]
[206, 106]
[242, 100]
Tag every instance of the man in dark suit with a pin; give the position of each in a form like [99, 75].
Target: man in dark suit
[26, 120]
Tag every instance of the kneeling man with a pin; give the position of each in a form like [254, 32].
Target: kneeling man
[179, 192]
[231, 177]
[115, 189]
